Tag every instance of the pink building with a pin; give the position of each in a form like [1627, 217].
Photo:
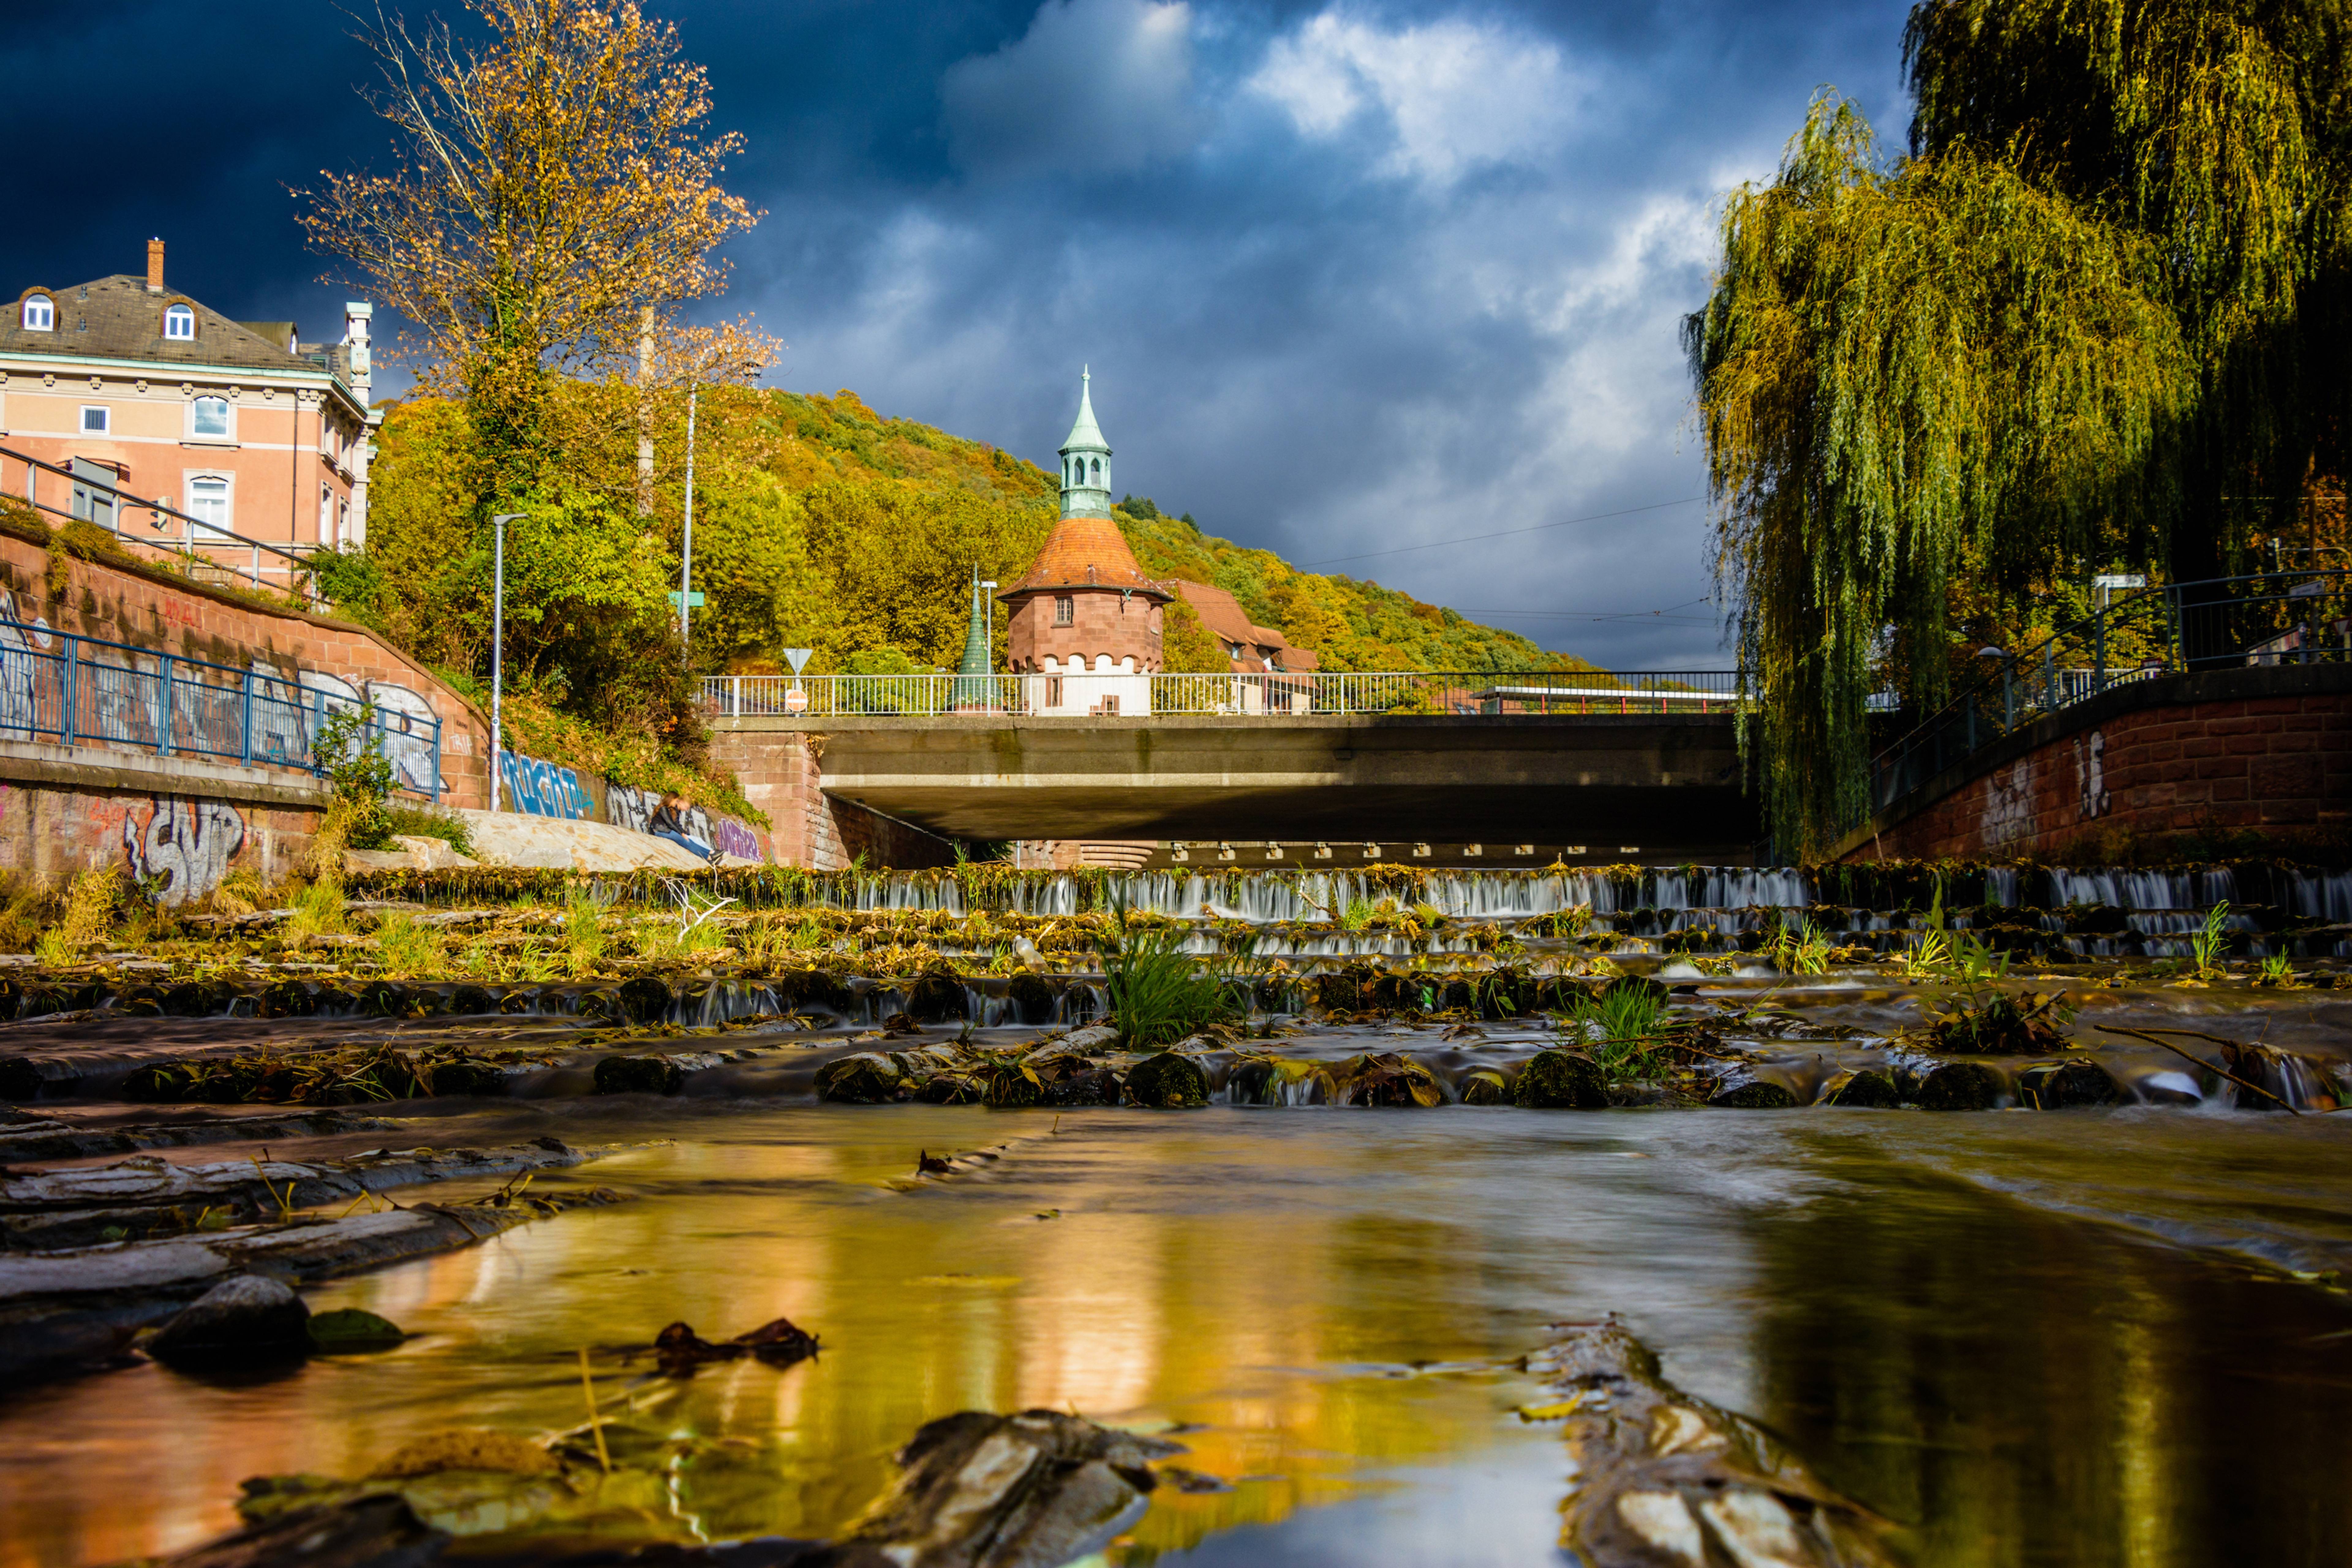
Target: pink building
[240, 427]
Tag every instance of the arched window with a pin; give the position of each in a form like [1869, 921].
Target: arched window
[208, 505]
[179, 323]
[41, 316]
[1096, 465]
[210, 417]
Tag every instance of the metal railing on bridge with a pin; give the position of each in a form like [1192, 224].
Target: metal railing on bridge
[2226, 622]
[81, 691]
[1274, 695]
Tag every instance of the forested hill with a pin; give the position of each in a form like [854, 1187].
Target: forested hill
[1353, 625]
[818, 524]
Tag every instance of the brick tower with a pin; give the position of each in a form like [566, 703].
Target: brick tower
[1083, 621]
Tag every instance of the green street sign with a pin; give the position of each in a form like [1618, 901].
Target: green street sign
[693, 600]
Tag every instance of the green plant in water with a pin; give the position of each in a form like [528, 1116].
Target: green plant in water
[2210, 942]
[2278, 969]
[406, 947]
[1621, 1028]
[1357, 916]
[1159, 993]
[1800, 949]
[584, 933]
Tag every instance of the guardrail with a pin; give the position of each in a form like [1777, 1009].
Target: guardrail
[200, 541]
[1276, 695]
[2223, 623]
[84, 691]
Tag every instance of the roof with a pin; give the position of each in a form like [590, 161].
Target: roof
[1086, 552]
[117, 318]
[1222, 615]
[1085, 433]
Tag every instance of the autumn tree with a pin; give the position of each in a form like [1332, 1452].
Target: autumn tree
[554, 204]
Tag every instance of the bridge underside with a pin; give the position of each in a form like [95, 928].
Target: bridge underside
[1668, 784]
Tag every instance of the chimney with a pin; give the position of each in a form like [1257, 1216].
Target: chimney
[154, 266]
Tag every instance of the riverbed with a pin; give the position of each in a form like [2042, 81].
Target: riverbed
[2079, 1337]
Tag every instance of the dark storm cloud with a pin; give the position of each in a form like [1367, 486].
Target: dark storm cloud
[1350, 277]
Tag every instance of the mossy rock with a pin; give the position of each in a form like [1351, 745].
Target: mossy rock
[1168, 1081]
[381, 1000]
[1031, 997]
[1012, 1089]
[800, 988]
[1865, 1091]
[348, 1331]
[951, 1089]
[1097, 1086]
[479, 1079]
[1341, 991]
[866, 1078]
[937, 995]
[155, 1084]
[189, 999]
[638, 1075]
[1754, 1094]
[20, 1081]
[1962, 1086]
[2062, 1085]
[1561, 1081]
[1485, 1086]
[643, 999]
[1255, 1082]
[140, 1001]
[471, 1001]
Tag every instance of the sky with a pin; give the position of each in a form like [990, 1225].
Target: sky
[1356, 283]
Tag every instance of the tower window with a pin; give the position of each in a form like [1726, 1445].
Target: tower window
[1096, 465]
[179, 323]
[41, 316]
[1066, 609]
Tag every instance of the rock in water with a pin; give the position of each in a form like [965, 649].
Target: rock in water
[379, 1531]
[1753, 1094]
[1962, 1086]
[1010, 1087]
[1868, 1089]
[868, 1078]
[1662, 1478]
[1561, 1081]
[1031, 1490]
[2056, 1085]
[353, 1332]
[1097, 1086]
[1167, 1081]
[1485, 1086]
[249, 1317]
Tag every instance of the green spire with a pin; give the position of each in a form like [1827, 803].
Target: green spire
[972, 687]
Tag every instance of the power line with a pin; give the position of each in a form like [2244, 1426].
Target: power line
[1507, 533]
[1666, 613]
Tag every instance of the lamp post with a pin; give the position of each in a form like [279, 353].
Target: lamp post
[497, 641]
[686, 557]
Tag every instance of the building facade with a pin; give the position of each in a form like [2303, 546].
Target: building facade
[237, 428]
[1083, 625]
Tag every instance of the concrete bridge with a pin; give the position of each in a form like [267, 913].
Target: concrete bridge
[1612, 769]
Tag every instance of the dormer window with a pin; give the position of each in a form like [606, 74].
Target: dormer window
[41, 316]
[179, 324]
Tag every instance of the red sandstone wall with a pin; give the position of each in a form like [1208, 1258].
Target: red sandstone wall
[782, 773]
[180, 845]
[2260, 762]
[1101, 623]
[122, 606]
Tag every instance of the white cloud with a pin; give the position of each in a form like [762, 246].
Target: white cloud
[1094, 86]
[1457, 95]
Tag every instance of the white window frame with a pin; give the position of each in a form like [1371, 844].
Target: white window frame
[48, 308]
[105, 425]
[200, 532]
[326, 514]
[228, 410]
[172, 316]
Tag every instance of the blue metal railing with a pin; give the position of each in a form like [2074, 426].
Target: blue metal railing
[73, 690]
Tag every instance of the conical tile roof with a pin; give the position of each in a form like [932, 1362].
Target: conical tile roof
[1086, 552]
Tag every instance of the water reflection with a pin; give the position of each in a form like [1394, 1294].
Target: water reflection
[1330, 1299]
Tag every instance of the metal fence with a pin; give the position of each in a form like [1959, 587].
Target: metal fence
[81, 691]
[205, 549]
[2230, 622]
[1088, 694]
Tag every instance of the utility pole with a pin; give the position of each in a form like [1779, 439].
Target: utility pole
[498, 641]
[686, 562]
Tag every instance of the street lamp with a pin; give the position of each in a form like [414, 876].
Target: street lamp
[497, 638]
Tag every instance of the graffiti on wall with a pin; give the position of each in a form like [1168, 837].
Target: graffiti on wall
[2009, 804]
[184, 848]
[2091, 774]
[21, 646]
[542, 789]
[403, 721]
[640, 812]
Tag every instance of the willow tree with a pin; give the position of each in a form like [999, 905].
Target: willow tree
[554, 205]
[2067, 331]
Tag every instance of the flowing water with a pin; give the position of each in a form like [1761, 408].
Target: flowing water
[2112, 1335]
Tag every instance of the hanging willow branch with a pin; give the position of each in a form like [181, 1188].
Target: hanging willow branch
[1905, 371]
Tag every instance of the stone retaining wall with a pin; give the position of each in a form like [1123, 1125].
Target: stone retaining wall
[783, 773]
[2262, 747]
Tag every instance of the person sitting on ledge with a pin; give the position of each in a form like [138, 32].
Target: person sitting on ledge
[670, 822]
